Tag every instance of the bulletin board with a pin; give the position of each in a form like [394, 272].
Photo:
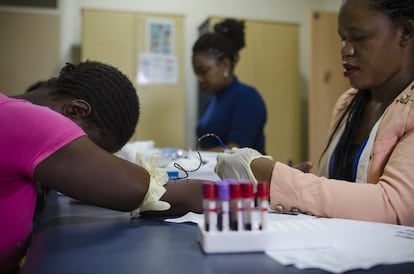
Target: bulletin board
[123, 39]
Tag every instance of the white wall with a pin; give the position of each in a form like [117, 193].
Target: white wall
[195, 12]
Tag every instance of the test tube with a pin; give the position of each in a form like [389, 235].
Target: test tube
[263, 202]
[235, 206]
[247, 204]
[223, 206]
[209, 205]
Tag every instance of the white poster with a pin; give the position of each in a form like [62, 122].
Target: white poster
[157, 69]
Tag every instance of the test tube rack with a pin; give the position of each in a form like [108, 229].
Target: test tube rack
[234, 241]
[279, 235]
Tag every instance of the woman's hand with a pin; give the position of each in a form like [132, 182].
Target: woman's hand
[236, 164]
[305, 166]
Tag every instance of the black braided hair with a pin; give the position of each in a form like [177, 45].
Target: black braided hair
[343, 151]
[225, 41]
[396, 10]
[113, 98]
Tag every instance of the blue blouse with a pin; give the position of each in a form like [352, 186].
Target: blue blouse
[237, 115]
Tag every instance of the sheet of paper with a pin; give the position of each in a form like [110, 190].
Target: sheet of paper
[271, 217]
[356, 245]
[157, 69]
[353, 244]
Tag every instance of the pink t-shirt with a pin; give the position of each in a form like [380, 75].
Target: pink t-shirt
[28, 134]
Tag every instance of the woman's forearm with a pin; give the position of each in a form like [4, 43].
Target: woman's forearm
[183, 195]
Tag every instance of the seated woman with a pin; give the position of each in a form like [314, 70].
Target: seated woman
[235, 112]
[366, 171]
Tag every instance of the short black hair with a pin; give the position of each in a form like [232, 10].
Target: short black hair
[396, 10]
[112, 96]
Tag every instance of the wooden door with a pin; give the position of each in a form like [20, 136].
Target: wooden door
[326, 80]
[277, 78]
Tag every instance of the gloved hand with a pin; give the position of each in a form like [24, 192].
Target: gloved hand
[156, 187]
[236, 164]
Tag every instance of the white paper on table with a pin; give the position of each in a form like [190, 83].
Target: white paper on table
[356, 245]
[189, 217]
[271, 217]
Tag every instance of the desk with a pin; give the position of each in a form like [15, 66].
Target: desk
[75, 238]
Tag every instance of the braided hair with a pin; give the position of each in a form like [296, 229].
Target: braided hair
[344, 152]
[111, 95]
[225, 41]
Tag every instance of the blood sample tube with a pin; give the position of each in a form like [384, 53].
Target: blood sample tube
[209, 205]
[235, 206]
[247, 204]
[223, 205]
[263, 202]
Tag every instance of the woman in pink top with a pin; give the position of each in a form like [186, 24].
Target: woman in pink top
[367, 169]
[62, 136]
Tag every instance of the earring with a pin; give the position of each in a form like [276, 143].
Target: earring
[226, 74]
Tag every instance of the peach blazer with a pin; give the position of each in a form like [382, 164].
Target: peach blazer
[388, 193]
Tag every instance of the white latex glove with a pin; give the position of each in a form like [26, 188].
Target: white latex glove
[156, 189]
[236, 164]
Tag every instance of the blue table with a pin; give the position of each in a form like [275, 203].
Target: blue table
[76, 238]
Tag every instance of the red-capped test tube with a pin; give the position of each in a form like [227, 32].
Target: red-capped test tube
[247, 204]
[263, 202]
[236, 208]
[209, 205]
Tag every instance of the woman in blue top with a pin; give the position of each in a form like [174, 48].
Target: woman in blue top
[235, 112]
